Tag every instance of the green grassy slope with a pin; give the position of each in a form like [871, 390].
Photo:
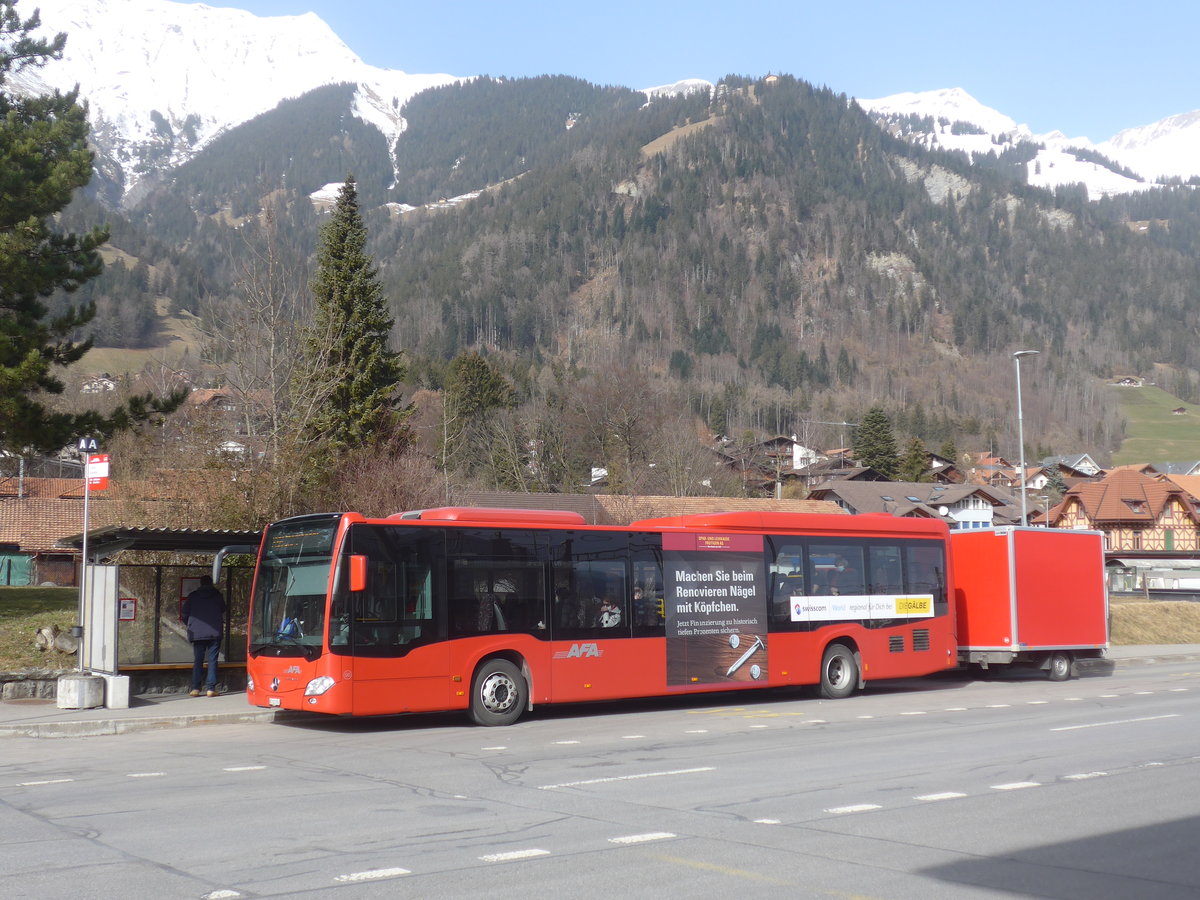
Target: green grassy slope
[1153, 432]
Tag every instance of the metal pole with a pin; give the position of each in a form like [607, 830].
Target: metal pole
[83, 564]
[1021, 429]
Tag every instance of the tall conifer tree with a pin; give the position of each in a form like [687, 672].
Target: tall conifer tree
[875, 443]
[347, 361]
[44, 159]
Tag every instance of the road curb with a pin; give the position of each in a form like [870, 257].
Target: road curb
[99, 727]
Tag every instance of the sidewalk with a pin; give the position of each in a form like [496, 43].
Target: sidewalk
[43, 718]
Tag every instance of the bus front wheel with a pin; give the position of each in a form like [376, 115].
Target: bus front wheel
[498, 693]
[839, 672]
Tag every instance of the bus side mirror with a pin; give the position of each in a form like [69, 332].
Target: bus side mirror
[358, 572]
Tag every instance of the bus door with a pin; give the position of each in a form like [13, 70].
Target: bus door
[592, 618]
[392, 634]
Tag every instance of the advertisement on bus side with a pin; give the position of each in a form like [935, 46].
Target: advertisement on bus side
[716, 609]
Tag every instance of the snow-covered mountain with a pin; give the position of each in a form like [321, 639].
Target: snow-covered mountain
[1143, 156]
[163, 79]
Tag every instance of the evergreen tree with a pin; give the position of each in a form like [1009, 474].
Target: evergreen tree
[348, 375]
[44, 159]
[1055, 485]
[475, 388]
[875, 443]
[915, 464]
[475, 433]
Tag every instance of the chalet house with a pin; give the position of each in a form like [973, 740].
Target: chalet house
[984, 468]
[836, 469]
[961, 506]
[1077, 465]
[100, 384]
[944, 470]
[1135, 512]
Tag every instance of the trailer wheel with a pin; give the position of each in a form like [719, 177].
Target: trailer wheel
[1059, 666]
[839, 672]
[498, 693]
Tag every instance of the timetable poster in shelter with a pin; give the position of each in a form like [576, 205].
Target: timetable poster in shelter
[716, 607]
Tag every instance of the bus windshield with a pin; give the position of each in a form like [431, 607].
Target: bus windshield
[288, 612]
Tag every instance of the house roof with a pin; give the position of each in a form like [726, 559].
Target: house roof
[1125, 496]
[1188, 467]
[1189, 483]
[34, 488]
[906, 498]
[37, 525]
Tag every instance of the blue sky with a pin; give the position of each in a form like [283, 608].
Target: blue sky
[1087, 69]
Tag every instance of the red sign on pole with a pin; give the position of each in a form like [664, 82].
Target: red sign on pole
[97, 471]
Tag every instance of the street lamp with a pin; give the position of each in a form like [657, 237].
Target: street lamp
[1021, 427]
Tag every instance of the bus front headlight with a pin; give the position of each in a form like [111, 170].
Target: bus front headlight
[318, 686]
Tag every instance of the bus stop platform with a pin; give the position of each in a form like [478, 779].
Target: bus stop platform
[155, 712]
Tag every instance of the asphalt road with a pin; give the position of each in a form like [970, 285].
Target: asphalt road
[945, 787]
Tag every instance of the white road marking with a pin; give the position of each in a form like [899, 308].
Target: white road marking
[1142, 693]
[697, 731]
[1115, 722]
[47, 781]
[760, 726]
[493, 748]
[931, 798]
[1108, 696]
[551, 787]
[999, 705]
[145, 774]
[914, 712]
[221, 895]
[866, 717]
[642, 838]
[244, 768]
[513, 854]
[823, 722]
[566, 742]
[955, 709]
[1083, 776]
[632, 737]
[1015, 786]
[860, 807]
[766, 821]
[371, 875]
[1036, 702]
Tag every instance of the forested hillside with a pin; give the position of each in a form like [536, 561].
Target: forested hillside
[768, 252]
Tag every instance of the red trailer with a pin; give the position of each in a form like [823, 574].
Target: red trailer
[1032, 596]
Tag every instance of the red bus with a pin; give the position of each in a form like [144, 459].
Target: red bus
[495, 610]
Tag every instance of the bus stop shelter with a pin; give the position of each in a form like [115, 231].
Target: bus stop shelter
[136, 581]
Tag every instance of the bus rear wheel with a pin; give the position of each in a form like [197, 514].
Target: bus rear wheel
[839, 672]
[498, 693]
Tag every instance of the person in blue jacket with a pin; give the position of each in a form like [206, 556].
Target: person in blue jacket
[204, 614]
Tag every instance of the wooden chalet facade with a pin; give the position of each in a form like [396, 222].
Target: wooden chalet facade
[1137, 514]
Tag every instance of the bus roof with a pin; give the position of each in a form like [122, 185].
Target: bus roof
[495, 515]
[771, 521]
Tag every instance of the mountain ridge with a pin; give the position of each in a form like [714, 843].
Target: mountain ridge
[185, 66]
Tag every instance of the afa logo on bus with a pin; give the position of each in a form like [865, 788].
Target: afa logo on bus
[578, 650]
